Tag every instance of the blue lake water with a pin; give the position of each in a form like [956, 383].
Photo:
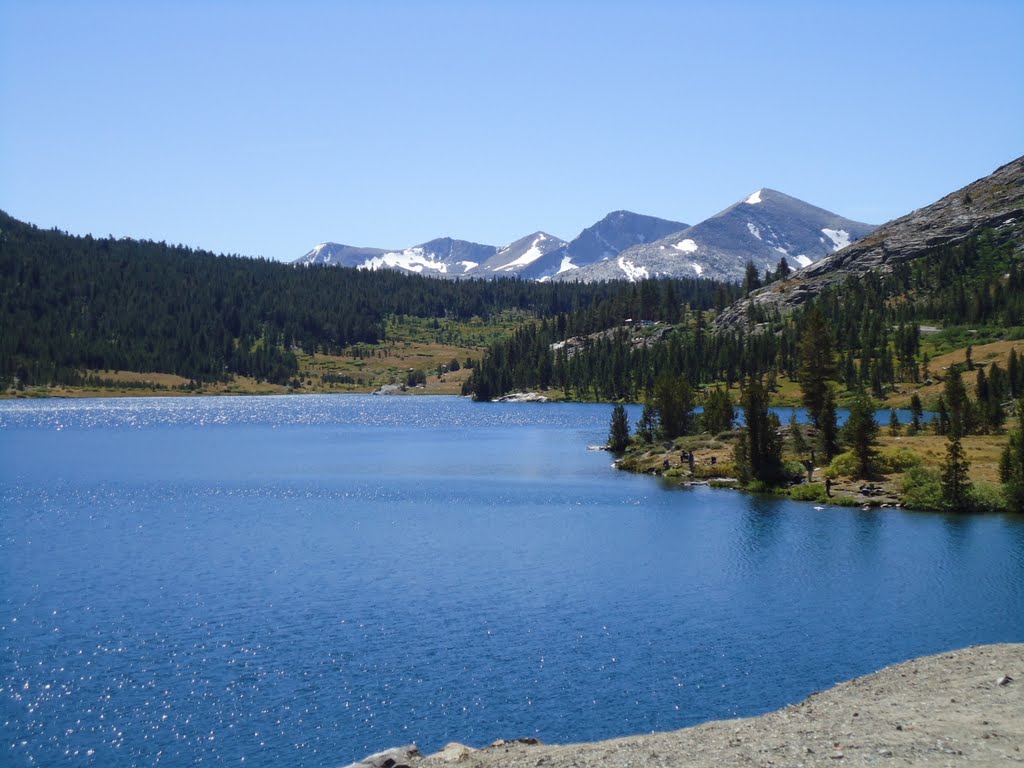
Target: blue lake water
[304, 580]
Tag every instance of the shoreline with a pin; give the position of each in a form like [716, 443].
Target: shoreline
[956, 708]
[713, 454]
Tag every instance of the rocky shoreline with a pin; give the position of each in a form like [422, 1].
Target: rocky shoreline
[960, 708]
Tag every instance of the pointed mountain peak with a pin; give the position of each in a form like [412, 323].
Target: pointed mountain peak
[534, 238]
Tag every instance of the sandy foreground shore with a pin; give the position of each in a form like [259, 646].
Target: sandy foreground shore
[962, 708]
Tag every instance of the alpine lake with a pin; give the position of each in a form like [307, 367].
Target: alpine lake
[301, 581]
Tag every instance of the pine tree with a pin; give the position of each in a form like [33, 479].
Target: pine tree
[618, 434]
[894, 423]
[758, 453]
[916, 413]
[942, 425]
[719, 412]
[647, 424]
[861, 432]
[876, 380]
[817, 364]
[1012, 471]
[955, 396]
[796, 435]
[828, 429]
[956, 483]
[673, 400]
[1011, 466]
[751, 279]
[981, 388]
[1013, 373]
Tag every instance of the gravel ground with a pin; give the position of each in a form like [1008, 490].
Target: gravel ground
[951, 709]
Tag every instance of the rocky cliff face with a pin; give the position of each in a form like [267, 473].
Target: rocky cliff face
[995, 202]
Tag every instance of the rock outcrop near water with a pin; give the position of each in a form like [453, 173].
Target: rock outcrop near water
[995, 202]
[963, 708]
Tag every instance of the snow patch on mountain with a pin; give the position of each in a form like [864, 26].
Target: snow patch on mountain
[803, 261]
[566, 265]
[411, 259]
[752, 228]
[686, 246]
[755, 198]
[468, 265]
[533, 253]
[632, 271]
[697, 268]
[840, 238]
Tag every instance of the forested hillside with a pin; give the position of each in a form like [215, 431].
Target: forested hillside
[69, 304]
[875, 323]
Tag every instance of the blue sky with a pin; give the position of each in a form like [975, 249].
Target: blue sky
[263, 128]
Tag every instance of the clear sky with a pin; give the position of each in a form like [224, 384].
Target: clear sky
[263, 128]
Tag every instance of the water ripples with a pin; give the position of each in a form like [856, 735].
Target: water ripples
[293, 410]
[305, 580]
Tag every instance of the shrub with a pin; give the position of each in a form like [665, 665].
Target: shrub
[986, 497]
[808, 492]
[843, 465]
[708, 471]
[794, 471]
[922, 489]
[897, 460]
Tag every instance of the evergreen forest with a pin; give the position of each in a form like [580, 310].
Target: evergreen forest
[73, 303]
[873, 324]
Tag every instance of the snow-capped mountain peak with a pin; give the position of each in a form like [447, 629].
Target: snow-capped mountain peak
[763, 228]
[516, 257]
[337, 255]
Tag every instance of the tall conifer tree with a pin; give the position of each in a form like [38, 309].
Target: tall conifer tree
[817, 364]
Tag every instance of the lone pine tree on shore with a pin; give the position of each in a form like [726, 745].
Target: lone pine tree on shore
[956, 483]
[618, 434]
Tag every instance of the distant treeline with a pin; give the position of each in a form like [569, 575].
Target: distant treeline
[69, 303]
[874, 322]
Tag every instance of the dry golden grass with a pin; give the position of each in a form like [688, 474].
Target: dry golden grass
[157, 379]
[982, 451]
[996, 352]
[388, 364]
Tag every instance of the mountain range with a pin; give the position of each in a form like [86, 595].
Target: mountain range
[994, 203]
[763, 228]
[537, 256]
